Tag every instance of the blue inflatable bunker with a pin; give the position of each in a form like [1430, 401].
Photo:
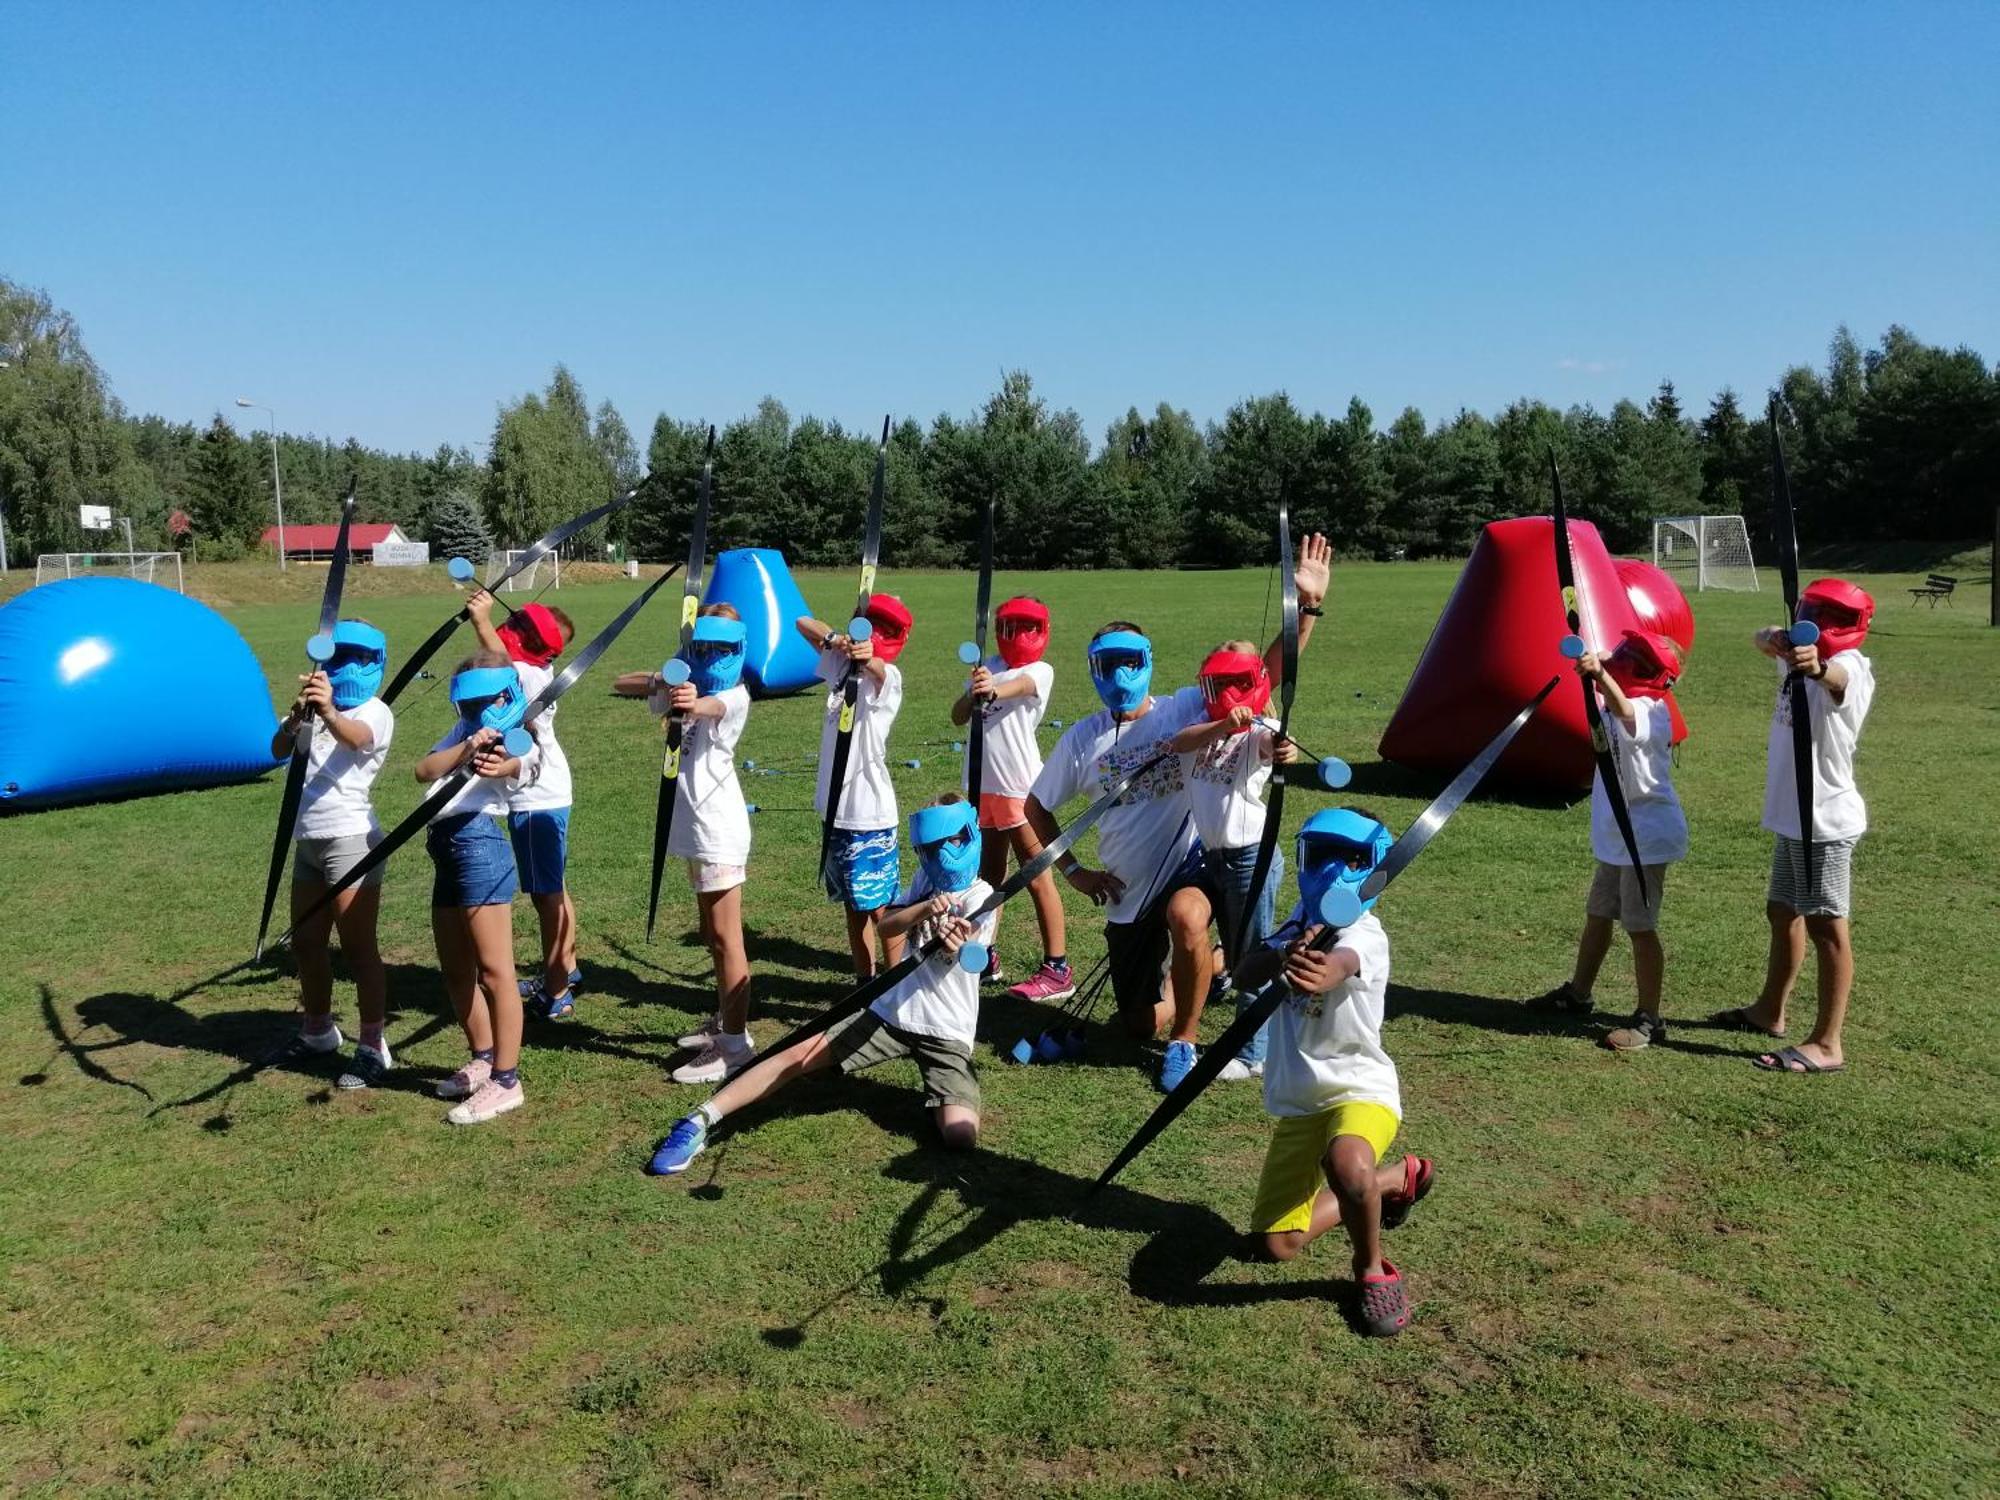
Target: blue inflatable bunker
[111, 687]
[776, 658]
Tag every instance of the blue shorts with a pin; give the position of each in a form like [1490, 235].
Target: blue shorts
[541, 848]
[864, 868]
[474, 865]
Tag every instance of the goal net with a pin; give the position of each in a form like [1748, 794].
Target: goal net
[163, 568]
[530, 579]
[1710, 552]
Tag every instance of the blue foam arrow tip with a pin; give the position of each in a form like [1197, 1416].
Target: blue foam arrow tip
[1335, 773]
[460, 570]
[518, 741]
[1803, 633]
[676, 672]
[1340, 907]
[969, 654]
[1048, 1048]
[859, 628]
[972, 958]
[1023, 1051]
[320, 648]
[1573, 647]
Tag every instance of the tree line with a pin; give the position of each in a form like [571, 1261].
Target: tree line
[1901, 440]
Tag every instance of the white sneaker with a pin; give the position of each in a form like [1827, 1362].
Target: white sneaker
[492, 1100]
[1236, 1070]
[370, 1064]
[717, 1061]
[704, 1037]
[467, 1081]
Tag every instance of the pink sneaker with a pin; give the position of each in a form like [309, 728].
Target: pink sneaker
[466, 1081]
[491, 1101]
[1046, 983]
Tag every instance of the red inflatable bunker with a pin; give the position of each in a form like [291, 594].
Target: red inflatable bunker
[1498, 640]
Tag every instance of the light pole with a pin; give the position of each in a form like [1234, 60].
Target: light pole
[277, 486]
[4, 364]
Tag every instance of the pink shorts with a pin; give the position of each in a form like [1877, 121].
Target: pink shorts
[997, 812]
[707, 877]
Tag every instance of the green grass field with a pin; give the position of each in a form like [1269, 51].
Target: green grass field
[1667, 1274]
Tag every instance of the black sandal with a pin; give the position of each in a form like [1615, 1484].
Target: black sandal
[1563, 1000]
[1737, 1018]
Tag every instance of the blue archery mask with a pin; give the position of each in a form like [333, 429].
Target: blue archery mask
[947, 842]
[715, 655]
[1338, 846]
[360, 653]
[490, 698]
[1121, 669]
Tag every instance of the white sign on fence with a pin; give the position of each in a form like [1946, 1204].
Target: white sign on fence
[94, 517]
[401, 554]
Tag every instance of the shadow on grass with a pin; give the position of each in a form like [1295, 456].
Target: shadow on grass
[1515, 1018]
[257, 1038]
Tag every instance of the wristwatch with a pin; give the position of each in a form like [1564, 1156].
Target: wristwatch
[1314, 610]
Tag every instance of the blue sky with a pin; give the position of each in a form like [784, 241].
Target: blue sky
[386, 219]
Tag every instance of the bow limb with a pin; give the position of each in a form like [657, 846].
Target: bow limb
[1274, 807]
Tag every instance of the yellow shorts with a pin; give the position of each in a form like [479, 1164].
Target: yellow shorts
[1293, 1172]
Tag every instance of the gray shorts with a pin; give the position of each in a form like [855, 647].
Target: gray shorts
[1833, 863]
[863, 1040]
[327, 861]
[1614, 895]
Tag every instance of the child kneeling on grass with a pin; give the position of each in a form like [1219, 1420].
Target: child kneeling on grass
[472, 897]
[930, 1016]
[1634, 679]
[1327, 1079]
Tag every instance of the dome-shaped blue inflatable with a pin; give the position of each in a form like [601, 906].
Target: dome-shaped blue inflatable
[87, 667]
[776, 658]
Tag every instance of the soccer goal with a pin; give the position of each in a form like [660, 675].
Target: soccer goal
[529, 579]
[1712, 552]
[163, 568]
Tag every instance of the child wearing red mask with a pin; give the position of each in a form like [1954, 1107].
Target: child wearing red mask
[1632, 684]
[1010, 691]
[1234, 750]
[864, 869]
[1840, 685]
[532, 637]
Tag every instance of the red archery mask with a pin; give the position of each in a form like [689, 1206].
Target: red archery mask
[540, 643]
[1234, 679]
[1023, 628]
[1842, 611]
[892, 621]
[1646, 664]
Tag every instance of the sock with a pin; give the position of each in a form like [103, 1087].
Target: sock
[506, 1077]
[1056, 961]
[317, 1025]
[482, 1054]
[735, 1041]
[707, 1115]
[371, 1036]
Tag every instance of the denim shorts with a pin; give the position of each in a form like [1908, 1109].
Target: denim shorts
[474, 865]
[541, 848]
[864, 868]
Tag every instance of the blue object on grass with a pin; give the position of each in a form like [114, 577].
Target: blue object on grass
[755, 580]
[85, 665]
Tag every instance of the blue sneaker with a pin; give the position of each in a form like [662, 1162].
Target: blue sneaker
[546, 1007]
[1179, 1063]
[687, 1140]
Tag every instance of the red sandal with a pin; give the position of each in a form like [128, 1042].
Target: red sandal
[1419, 1172]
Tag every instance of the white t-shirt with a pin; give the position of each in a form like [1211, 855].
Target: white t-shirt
[1144, 839]
[482, 794]
[1645, 774]
[1226, 787]
[1013, 755]
[711, 820]
[551, 787]
[869, 802]
[1327, 1049]
[1838, 811]
[939, 999]
[335, 802]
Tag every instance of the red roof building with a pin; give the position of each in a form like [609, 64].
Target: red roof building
[310, 542]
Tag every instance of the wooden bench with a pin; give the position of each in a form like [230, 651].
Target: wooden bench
[1936, 587]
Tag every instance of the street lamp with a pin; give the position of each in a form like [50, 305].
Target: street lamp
[277, 486]
[4, 365]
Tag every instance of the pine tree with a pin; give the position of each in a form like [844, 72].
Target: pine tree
[458, 530]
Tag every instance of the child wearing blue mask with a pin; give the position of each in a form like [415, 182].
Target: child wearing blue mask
[711, 831]
[1327, 1078]
[472, 896]
[345, 730]
[930, 1016]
